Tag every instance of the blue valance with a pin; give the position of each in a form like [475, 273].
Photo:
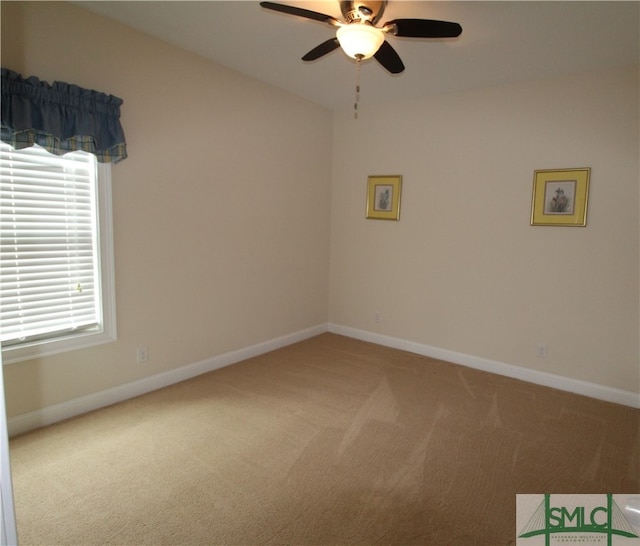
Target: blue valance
[60, 117]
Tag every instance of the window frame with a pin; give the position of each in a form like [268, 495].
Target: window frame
[106, 331]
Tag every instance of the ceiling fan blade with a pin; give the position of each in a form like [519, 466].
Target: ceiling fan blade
[299, 12]
[423, 28]
[388, 58]
[322, 49]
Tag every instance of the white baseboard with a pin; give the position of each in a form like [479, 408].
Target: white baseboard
[58, 412]
[592, 390]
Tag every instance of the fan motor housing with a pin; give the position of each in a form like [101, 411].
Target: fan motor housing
[369, 10]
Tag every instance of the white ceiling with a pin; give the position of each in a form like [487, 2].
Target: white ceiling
[501, 42]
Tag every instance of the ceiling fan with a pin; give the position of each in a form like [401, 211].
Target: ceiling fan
[359, 36]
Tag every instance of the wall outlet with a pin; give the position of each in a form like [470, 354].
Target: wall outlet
[142, 355]
[541, 350]
[377, 317]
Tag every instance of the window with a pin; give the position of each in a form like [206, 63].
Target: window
[56, 253]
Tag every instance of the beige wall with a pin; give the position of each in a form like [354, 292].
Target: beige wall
[463, 270]
[221, 211]
[224, 213]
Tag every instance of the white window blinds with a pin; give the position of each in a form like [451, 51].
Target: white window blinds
[49, 265]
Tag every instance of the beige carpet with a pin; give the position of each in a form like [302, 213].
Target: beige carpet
[329, 441]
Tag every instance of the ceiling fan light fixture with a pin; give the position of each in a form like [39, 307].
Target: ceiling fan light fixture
[360, 40]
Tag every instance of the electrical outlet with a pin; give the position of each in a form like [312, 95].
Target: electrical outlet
[142, 355]
[377, 317]
[541, 350]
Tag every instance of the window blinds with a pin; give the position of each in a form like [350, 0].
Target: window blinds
[48, 244]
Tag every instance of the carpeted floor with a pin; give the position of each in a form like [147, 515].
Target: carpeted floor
[329, 441]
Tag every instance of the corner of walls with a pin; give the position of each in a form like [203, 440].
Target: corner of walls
[24, 423]
[463, 269]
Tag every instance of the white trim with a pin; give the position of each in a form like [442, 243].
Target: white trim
[58, 412]
[585, 388]
[8, 529]
[106, 256]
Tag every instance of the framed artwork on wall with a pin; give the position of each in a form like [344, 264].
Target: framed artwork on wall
[560, 197]
[383, 197]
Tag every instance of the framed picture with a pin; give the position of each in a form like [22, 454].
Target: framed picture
[560, 197]
[383, 197]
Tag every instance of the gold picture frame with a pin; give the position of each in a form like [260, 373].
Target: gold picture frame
[383, 197]
[560, 197]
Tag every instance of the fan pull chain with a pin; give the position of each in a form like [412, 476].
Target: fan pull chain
[357, 101]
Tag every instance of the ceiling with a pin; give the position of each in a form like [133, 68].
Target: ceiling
[501, 42]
